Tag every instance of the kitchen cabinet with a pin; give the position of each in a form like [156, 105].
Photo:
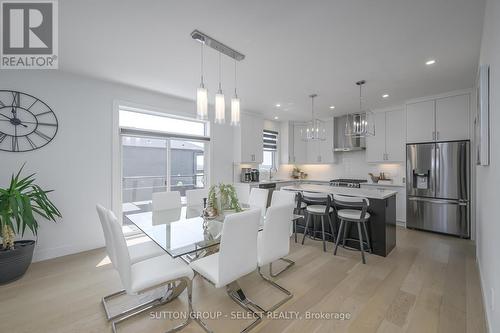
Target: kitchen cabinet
[441, 119]
[321, 152]
[299, 146]
[286, 142]
[400, 198]
[452, 118]
[248, 142]
[387, 145]
[420, 121]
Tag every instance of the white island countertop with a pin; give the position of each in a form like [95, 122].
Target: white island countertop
[355, 192]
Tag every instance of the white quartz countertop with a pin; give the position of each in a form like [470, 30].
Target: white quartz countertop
[289, 180]
[383, 185]
[355, 192]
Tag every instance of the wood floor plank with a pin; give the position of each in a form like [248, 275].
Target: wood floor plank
[429, 283]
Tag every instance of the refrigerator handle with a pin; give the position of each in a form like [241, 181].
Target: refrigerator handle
[437, 171]
[438, 201]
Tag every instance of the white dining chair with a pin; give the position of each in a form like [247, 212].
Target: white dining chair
[166, 200]
[273, 243]
[236, 258]
[137, 252]
[258, 199]
[195, 197]
[283, 198]
[157, 272]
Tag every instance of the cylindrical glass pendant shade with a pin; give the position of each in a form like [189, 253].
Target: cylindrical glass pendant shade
[235, 111]
[202, 103]
[220, 108]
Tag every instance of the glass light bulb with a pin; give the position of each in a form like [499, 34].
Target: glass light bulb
[220, 108]
[202, 103]
[235, 111]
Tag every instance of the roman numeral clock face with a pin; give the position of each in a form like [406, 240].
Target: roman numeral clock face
[26, 123]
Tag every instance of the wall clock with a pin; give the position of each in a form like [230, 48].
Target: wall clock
[26, 123]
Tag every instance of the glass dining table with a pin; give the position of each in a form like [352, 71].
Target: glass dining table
[180, 231]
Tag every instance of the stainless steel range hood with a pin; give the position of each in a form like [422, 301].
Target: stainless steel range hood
[343, 142]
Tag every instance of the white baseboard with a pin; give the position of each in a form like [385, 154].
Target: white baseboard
[401, 223]
[51, 253]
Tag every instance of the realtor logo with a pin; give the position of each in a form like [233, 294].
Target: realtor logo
[29, 34]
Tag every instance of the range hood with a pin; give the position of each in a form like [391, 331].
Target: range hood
[343, 142]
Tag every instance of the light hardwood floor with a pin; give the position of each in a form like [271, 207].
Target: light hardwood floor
[429, 283]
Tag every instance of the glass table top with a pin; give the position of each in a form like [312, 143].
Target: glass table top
[180, 231]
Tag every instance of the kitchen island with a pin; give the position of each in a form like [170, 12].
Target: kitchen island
[382, 209]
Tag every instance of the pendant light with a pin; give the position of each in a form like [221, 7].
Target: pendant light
[235, 103]
[315, 130]
[360, 124]
[220, 104]
[202, 94]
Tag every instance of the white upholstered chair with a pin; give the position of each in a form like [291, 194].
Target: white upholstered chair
[273, 243]
[138, 252]
[153, 273]
[236, 258]
[283, 198]
[195, 197]
[258, 199]
[166, 200]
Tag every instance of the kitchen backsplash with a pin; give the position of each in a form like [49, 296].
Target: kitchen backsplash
[349, 165]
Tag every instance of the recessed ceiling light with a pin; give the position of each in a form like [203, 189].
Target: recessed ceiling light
[332, 107]
[276, 118]
[385, 95]
[278, 105]
[430, 62]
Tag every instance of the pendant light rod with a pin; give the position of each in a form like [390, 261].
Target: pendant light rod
[220, 74]
[202, 83]
[312, 96]
[216, 45]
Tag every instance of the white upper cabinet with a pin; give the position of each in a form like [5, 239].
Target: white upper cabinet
[326, 147]
[375, 145]
[420, 122]
[299, 146]
[294, 150]
[452, 118]
[387, 145]
[395, 136]
[441, 119]
[286, 142]
[248, 142]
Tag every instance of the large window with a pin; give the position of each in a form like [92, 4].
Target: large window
[161, 153]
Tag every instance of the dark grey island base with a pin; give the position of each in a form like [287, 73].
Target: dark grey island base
[382, 209]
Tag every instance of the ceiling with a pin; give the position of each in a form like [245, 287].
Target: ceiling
[293, 48]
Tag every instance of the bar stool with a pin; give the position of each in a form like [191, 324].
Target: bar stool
[356, 212]
[318, 204]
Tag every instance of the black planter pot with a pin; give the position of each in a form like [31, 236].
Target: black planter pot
[14, 263]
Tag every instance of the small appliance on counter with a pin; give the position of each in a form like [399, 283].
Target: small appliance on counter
[255, 175]
[353, 183]
[246, 175]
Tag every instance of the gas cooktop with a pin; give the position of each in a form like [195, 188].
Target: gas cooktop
[346, 182]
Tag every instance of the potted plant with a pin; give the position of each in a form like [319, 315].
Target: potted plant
[20, 204]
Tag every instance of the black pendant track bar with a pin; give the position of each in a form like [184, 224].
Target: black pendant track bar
[216, 45]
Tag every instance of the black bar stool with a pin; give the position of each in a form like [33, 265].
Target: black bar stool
[355, 212]
[318, 205]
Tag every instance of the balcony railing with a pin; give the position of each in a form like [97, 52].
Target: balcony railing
[141, 188]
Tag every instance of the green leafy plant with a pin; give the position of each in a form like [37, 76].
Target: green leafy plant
[229, 197]
[19, 204]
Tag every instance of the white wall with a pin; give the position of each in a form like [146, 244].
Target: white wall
[77, 163]
[488, 178]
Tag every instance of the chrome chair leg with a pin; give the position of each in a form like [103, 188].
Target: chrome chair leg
[290, 264]
[288, 294]
[184, 283]
[237, 295]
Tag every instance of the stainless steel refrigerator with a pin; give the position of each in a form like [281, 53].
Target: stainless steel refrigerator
[438, 187]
